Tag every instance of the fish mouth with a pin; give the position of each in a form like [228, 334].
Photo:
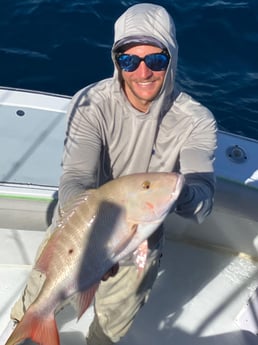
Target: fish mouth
[172, 199]
[179, 186]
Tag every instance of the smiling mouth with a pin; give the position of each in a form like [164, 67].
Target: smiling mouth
[149, 82]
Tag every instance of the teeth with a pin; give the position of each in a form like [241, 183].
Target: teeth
[146, 83]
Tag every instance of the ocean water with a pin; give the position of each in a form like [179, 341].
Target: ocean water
[62, 45]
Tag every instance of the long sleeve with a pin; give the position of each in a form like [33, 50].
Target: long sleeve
[196, 198]
[81, 152]
[196, 163]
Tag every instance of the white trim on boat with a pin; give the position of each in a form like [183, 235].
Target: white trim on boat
[24, 191]
[40, 100]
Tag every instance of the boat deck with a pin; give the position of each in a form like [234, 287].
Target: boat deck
[196, 299]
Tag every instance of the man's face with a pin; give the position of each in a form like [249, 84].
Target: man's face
[142, 85]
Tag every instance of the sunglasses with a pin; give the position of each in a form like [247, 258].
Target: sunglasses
[156, 61]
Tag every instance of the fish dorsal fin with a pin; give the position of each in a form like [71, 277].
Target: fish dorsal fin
[72, 205]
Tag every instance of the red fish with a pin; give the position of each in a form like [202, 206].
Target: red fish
[97, 230]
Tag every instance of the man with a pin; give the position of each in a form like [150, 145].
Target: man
[136, 121]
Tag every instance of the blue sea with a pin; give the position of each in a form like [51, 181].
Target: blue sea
[62, 45]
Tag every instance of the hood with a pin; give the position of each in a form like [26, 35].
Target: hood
[143, 21]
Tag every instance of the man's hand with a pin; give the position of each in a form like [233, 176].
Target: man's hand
[111, 273]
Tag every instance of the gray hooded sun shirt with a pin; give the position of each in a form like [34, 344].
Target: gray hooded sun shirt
[107, 137]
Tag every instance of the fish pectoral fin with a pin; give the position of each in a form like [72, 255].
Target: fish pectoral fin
[123, 244]
[84, 299]
[40, 329]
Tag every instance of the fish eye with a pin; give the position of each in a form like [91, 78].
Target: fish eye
[146, 185]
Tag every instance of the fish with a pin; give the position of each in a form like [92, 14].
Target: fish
[96, 230]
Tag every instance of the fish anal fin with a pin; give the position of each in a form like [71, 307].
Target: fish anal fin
[41, 330]
[84, 300]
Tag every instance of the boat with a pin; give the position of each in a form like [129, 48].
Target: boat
[206, 290]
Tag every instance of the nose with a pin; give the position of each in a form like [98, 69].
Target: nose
[144, 71]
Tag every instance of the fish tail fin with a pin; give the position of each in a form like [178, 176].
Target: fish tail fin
[40, 330]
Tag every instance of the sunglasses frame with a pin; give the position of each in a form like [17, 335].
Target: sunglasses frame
[163, 52]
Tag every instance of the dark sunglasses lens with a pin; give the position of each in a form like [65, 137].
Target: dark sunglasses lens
[157, 62]
[128, 63]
